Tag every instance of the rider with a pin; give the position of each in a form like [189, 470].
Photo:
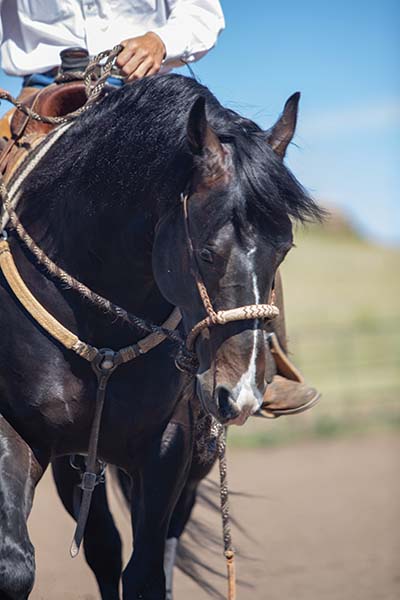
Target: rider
[156, 37]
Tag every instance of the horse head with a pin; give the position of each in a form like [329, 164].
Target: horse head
[240, 200]
[160, 138]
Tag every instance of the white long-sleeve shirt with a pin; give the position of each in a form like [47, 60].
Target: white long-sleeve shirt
[33, 32]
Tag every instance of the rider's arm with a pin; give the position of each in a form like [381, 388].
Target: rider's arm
[190, 32]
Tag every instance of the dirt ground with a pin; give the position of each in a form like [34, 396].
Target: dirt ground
[323, 522]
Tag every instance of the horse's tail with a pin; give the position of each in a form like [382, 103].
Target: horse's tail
[198, 535]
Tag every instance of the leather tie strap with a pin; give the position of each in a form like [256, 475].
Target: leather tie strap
[103, 365]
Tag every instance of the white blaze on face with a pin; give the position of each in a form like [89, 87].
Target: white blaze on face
[171, 547]
[246, 393]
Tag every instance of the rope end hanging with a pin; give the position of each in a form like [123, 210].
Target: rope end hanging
[74, 549]
[226, 526]
[231, 573]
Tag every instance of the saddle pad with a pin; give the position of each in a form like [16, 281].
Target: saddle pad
[24, 165]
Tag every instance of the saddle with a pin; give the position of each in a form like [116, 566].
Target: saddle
[20, 134]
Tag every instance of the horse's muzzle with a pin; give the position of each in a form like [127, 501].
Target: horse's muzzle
[228, 409]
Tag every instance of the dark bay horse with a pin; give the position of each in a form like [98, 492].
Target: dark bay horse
[104, 204]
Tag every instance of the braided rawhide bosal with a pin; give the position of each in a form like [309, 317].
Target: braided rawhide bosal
[229, 552]
[92, 93]
[221, 317]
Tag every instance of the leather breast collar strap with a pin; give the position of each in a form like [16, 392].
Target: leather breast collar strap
[103, 361]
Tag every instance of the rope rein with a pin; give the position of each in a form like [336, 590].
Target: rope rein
[221, 317]
[93, 93]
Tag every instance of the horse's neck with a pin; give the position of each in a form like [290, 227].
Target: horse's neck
[97, 223]
[115, 264]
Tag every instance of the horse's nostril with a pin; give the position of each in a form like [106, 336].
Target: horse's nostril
[228, 408]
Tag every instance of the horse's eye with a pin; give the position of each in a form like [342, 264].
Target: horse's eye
[206, 255]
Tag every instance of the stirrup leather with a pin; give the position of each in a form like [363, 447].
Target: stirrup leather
[283, 365]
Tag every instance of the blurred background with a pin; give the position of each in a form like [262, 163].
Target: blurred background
[342, 280]
[325, 510]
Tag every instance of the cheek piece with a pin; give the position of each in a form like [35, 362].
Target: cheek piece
[220, 317]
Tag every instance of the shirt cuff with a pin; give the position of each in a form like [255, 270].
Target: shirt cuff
[176, 45]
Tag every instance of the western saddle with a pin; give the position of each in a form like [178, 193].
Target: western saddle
[19, 134]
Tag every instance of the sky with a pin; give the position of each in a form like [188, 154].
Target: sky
[344, 58]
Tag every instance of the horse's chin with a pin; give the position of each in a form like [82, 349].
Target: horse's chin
[241, 419]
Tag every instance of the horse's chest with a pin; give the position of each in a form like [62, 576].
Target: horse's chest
[49, 393]
[129, 418]
[59, 396]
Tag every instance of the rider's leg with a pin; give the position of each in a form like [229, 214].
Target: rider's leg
[287, 393]
[102, 543]
[278, 325]
[19, 474]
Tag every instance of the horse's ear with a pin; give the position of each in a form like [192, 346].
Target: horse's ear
[281, 134]
[201, 138]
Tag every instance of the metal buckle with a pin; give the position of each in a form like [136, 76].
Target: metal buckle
[86, 476]
[106, 361]
[89, 481]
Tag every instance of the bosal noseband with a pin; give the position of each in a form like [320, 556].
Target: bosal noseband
[220, 317]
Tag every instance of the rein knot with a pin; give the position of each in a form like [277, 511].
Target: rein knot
[220, 317]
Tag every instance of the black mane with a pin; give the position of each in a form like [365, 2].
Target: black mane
[131, 149]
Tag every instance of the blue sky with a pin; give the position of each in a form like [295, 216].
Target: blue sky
[345, 59]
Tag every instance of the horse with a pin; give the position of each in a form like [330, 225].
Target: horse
[105, 204]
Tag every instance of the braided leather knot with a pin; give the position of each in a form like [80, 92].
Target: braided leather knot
[219, 318]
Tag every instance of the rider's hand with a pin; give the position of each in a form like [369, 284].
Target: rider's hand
[141, 56]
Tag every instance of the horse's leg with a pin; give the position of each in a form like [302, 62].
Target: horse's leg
[102, 543]
[199, 469]
[19, 473]
[179, 519]
[156, 488]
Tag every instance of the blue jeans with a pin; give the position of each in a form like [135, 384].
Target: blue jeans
[41, 80]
